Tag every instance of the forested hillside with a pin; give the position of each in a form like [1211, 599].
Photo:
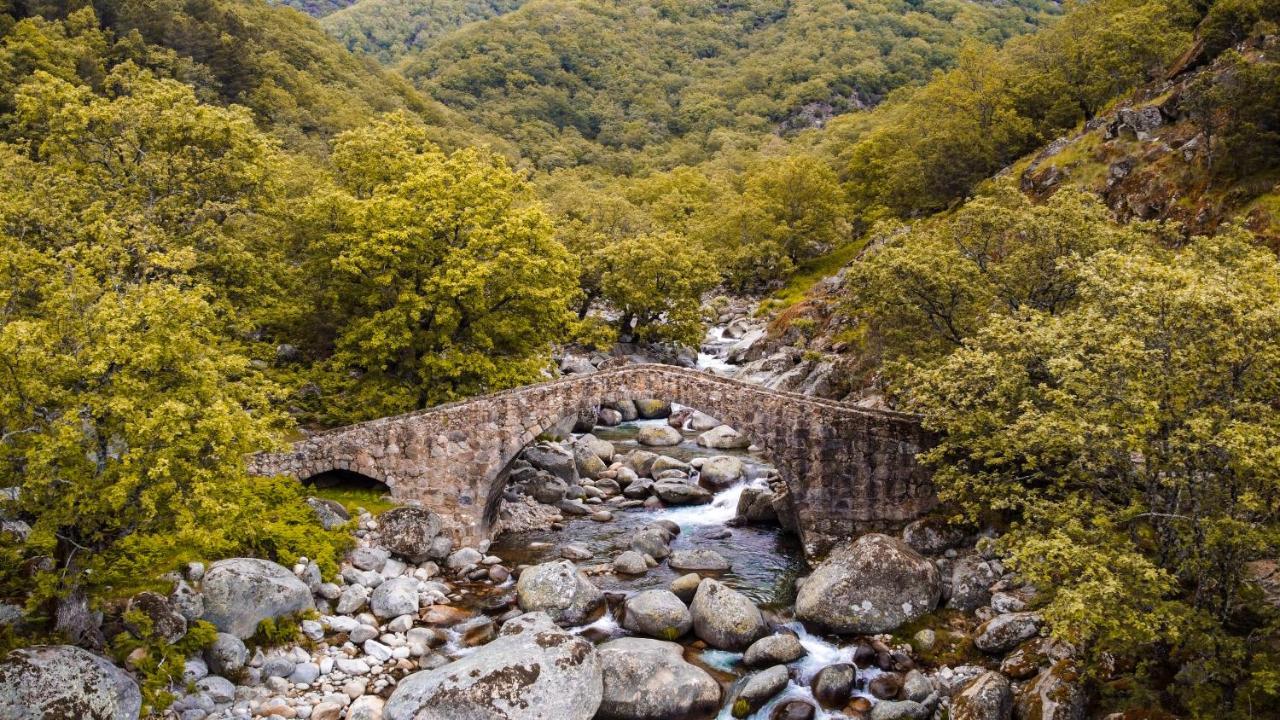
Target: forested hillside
[625, 85]
[390, 29]
[1048, 232]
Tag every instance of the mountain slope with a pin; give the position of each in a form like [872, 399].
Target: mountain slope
[618, 83]
[315, 8]
[390, 29]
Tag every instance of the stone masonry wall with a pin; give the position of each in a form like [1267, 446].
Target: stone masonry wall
[849, 470]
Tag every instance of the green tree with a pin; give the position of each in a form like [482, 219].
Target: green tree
[132, 270]
[1131, 441]
[655, 282]
[441, 274]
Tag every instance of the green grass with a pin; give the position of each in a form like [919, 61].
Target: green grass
[354, 497]
[812, 272]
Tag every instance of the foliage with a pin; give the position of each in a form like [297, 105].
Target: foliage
[133, 260]
[390, 29]
[656, 283]
[932, 287]
[997, 105]
[370, 499]
[277, 631]
[442, 275]
[162, 666]
[1236, 106]
[316, 8]
[1132, 439]
[624, 85]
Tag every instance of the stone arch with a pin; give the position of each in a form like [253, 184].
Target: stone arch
[491, 485]
[344, 478]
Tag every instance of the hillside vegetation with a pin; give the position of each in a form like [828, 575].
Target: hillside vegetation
[391, 29]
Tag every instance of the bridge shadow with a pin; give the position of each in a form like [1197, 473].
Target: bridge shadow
[346, 480]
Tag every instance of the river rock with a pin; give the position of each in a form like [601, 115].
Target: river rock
[725, 618]
[698, 559]
[1003, 633]
[547, 489]
[872, 585]
[931, 535]
[1055, 694]
[241, 592]
[833, 685]
[760, 689]
[608, 417]
[166, 622]
[723, 437]
[659, 436]
[657, 613]
[971, 580]
[701, 422]
[409, 532]
[602, 449]
[559, 590]
[722, 470]
[755, 507]
[665, 463]
[627, 409]
[653, 542]
[989, 697]
[532, 671]
[588, 463]
[680, 493]
[649, 680]
[652, 409]
[50, 682]
[630, 563]
[686, 586]
[227, 654]
[395, 597]
[366, 707]
[900, 710]
[552, 459]
[773, 650]
[331, 513]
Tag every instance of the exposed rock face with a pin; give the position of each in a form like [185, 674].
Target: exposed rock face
[725, 618]
[409, 532]
[989, 697]
[873, 585]
[1055, 694]
[52, 682]
[532, 671]
[657, 613]
[241, 592]
[559, 590]
[649, 680]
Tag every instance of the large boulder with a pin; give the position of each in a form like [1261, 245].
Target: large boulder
[395, 597]
[872, 585]
[760, 689]
[532, 671]
[931, 535]
[971, 580]
[653, 409]
[639, 461]
[588, 462]
[649, 680]
[602, 449]
[657, 613]
[658, 436]
[553, 459]
[723, 437]
[773, 650]
[53, 682]
[239, 593]
[721, 470]
[988, 697]
[166, 622]
[1055, 694]
[1003, 633]
[675, 492]
[409, 532]
[725, 618]
[330, 513]
[560, 590]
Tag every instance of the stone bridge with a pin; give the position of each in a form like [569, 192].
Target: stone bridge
[849, 470]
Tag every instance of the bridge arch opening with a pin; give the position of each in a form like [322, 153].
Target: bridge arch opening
[758, 466]
[346, 480]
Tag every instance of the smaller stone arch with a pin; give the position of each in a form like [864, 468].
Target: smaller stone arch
[344, 478]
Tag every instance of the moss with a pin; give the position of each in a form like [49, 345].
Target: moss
[356, 497]
[283, 630]
[953, 645]
[161, 666]
[812, 272]
[741, 708]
